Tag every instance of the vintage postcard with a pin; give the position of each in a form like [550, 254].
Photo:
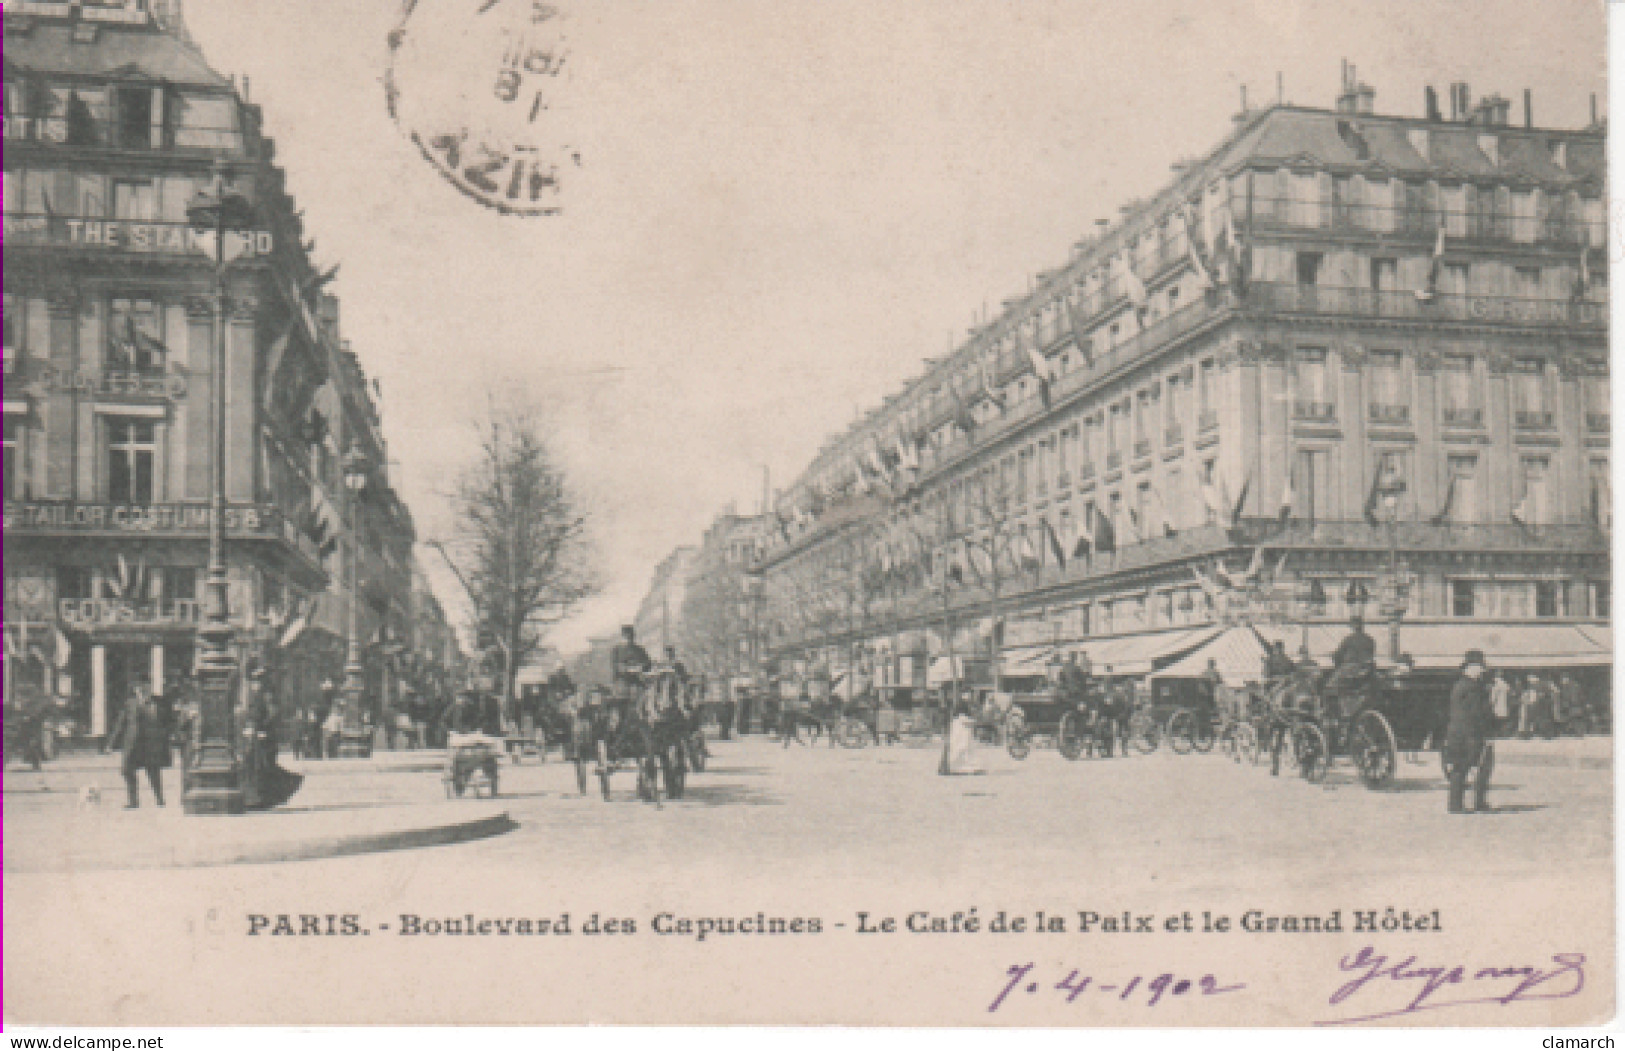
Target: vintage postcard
[962, 513]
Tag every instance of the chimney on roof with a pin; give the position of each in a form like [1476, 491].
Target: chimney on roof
[1348, 99]
[1368, 100]
[1430, 103]
[1528, 108]
[1593, 109]
[1460, 100]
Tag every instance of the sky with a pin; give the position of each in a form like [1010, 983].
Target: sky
[783, 206]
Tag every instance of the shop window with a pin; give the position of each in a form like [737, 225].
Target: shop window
[1461, 598]
[13, 479]
[1309, 264]
[1549, 598]
[132, 449]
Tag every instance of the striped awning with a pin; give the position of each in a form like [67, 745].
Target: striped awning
[1140, 654]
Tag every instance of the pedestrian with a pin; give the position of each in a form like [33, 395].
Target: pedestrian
[1501, 704]
[1574, 706]
[1528, 707]
[1467, 746]
[333, 730]
[139, 733]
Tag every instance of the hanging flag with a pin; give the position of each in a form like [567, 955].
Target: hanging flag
[1240, 500]
[1138, 297]
[1080, 333]
[964, 419]
[1582, 283]
[1056, 549]
[1430, 288]
[1105, 532]
[1167, 520]
[1237, 255]
[1283, 513]
[273, 361]
[1082, 536]
[987, 385]
[1043, 369]
[1524, 512]
[1449, 500]
[1193, 251]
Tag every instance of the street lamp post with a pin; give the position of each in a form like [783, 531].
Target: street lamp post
[213, 778]
[1395, 591]
[355, 742]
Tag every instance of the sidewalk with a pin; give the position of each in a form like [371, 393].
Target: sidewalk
[1576, 753]
[394, 801]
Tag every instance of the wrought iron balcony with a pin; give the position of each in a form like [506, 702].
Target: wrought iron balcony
[1390, 414]
[1314, 411]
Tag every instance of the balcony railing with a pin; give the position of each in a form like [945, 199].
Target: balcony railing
[1484, 225]
[1314, 411]
[1532, 421]
[1402, 304]
[1598, 422]
[1174, 435]
[1462, 417]
[1390, 414]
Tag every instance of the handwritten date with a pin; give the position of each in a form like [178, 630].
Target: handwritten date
[1138, 989]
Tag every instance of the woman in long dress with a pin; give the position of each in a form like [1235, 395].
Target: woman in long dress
[962, 741]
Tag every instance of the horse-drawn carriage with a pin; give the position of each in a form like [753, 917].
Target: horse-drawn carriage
[1367, 718]
[649, 728]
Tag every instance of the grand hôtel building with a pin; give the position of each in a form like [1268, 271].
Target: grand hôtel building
[114, 121]
[1374, 345]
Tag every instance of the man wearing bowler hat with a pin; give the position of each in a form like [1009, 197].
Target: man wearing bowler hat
[1467, 736]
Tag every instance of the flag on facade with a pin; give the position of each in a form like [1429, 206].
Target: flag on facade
[1524, 512]
[273, 361]
[1449, 500]
[987, 385]
[1043, 368]
[1056, 548]
[1193, 251]
[1237, 254]
[303, 613]
[1582, 282]
[1166, 519]
[1430, 288]
[1104, 530]
[1080, 333]
[1138, 297]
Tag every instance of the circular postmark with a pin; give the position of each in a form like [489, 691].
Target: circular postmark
[482, 88]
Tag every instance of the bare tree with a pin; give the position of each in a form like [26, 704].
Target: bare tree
[520, 539]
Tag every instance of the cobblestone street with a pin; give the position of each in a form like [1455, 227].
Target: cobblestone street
[826, 833]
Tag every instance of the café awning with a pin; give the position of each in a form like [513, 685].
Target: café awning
[1237, 652]
[1140, 654]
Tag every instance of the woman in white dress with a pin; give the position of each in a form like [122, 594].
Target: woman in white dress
[962, 741]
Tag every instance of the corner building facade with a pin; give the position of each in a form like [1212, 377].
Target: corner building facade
[114, 123]
[1331, 307]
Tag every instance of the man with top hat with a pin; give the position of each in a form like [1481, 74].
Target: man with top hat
[1467, 744]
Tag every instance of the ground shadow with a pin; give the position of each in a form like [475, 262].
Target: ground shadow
[725, 795]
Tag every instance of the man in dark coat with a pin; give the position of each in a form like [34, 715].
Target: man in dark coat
[1467, 736]
[143, 739]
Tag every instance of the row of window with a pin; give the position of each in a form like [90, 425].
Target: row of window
[146, 117]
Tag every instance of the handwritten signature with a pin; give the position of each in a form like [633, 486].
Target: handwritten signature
[1426, 986]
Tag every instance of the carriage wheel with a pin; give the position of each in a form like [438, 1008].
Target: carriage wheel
[1372, 747]
[581, 776]
[1182, 731]
[850, 733]
[1067, 739]
[1142, 733]
[1311, 753]
[1016, 740]
[1245, 741]
[1201, 734]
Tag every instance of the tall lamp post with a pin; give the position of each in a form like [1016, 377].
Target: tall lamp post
[213, 779]
[355, 742]
[1396, 588]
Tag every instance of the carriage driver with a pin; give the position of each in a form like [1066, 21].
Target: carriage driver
[1354, 660]
[629, 663]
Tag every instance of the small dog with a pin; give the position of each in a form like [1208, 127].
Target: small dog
[90, 796]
